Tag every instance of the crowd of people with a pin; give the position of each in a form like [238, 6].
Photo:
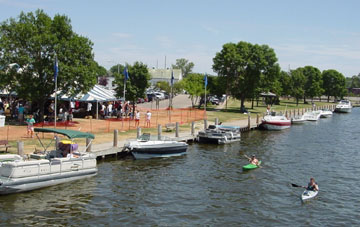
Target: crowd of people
[24, 112]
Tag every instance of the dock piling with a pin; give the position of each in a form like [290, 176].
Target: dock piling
[177, 129]
[20, 148]
[138, 132]
[159, 131]
[205, 124]
[249, 121]
[116, 132]
[192, 128]
[216, 121]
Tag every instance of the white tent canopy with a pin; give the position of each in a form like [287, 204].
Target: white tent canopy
[98, 94]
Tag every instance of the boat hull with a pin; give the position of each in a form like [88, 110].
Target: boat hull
[211, 139]
[308, 194]
[275, 126]
[343, 110]
[157, 149]
[9, 186]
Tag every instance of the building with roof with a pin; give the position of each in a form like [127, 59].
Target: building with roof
[164, 75]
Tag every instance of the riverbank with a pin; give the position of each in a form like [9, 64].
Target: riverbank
[229, 116]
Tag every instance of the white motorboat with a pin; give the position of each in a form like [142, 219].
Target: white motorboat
[52, 168]
[274, 122]
[326, 113]
[312, 115]
[219, 134]
[298, 119]
[344, 106]
[144, 148]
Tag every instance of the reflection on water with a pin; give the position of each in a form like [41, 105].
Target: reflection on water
[208, 187]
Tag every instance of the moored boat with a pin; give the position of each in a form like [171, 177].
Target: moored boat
[312, 115]
[298, 120]
[326, 113]
[344, 106]
[144, 148]
[52, 168]
[271, 122]
[219, 134]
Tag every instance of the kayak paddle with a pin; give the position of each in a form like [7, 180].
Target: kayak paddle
[297, 186]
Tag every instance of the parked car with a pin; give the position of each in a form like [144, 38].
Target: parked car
[159, 95]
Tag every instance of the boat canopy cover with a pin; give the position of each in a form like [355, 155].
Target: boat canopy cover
[71, 134]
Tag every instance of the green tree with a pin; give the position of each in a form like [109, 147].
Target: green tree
[163, 85]
[297, 83]
[244, 65]
[333, 83]
[32, 41]
[185, 65]
[285, 81]
[136, 84]
[117, 69]
[313, 82]
[194, 85]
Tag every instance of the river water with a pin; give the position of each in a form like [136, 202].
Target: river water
[208, 187]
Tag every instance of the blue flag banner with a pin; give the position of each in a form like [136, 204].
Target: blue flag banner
[56, 68]
[205, 80]
[126, 74]
[172, 78]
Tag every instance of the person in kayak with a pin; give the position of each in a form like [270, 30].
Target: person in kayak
[253, 160]
[312, 186]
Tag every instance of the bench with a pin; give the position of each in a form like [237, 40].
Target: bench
[170, 126]
[5, 143]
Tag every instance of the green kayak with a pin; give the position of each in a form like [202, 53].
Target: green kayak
[251, 166]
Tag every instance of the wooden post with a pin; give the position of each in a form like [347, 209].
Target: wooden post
[298, 111]
[249, 121]
[88, 145]
[286, 113]
[257, 119]
[216, 121]
[192, 128]
[138, 132]
[115, 138]
[20, 148]
[177, 129]
[159, 131]
[205, 124]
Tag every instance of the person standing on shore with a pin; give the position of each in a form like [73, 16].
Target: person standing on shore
[30, 125]
[148, 118]
[137, 118]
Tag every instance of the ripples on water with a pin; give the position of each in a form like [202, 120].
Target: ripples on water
[208, 187]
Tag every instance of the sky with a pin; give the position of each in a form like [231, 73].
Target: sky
[322, 33]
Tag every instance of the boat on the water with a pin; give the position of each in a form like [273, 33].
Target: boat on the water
[308, 194]
[49, 167]
[344, 106]
[312, 115]
[251, 166]
[219, 134]
[275, 122]
[144, 148]
[326, 113]
[298, 119]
